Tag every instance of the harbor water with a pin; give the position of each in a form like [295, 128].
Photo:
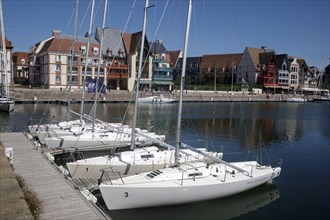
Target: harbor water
[297, 133]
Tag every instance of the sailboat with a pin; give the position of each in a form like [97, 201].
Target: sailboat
[137, 160]
[78, 134]
[224, 208]
[189, 182]
[6, 103]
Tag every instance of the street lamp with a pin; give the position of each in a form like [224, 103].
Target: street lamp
[215, 80]
[232, 76]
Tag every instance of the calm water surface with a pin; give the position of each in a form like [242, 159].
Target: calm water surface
[295, 132]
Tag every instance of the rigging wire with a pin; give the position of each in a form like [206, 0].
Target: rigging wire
[46, 80]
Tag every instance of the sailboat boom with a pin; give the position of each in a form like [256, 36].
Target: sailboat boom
[214, 158]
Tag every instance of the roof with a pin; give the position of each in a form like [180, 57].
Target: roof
[265, 58]
[254, 54]
[63, 44]
[7, 42]
[300, 61]
[280, 60]
[174, 57]
[132, 42]
[18, 56]
[135, 41]
[220, 61]
[191, 62]
[157, 47]
[127, 42]
[112, 40]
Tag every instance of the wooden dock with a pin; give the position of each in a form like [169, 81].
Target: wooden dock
[59, 198]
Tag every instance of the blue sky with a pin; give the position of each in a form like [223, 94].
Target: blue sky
[298, 28]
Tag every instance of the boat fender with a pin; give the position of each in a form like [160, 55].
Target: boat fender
[29, 136]
[64, 171]
[37, 144]
[88, 195]
[50, 157]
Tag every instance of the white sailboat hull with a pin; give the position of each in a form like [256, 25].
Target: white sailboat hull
[132, 162]
[67, 128]
[89, 139]
[173, 186]
[7, 105]
[155, 99]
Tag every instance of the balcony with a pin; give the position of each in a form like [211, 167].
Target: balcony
[162, 77]
[114, 75]
[162, 69]
[117, 66]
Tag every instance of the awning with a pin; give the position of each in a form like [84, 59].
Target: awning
[315, 90]
[159, 82]
[277, 87]
[145, 81]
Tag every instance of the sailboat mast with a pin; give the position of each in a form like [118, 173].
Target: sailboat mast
[99, 63]
[86, 63]
[71, 60]
[178, 133]
[139, 74]
[4, 77]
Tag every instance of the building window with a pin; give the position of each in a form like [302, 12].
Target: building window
[109, 52]
[58, 57]
[58, 68]
[95, 50]
[83, 49]
[121, 53]
[57, 80]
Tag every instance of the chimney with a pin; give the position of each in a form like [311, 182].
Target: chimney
[56, 33]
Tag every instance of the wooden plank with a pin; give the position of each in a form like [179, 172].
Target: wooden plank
[59, 198]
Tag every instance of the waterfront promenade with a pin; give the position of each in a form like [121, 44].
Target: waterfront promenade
[26, 95]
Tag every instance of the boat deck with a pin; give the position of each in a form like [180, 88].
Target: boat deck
[59, 197]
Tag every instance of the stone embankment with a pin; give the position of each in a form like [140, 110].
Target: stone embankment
[25, 95]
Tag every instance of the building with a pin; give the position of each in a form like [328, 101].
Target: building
[294, 75]
[193, 76]
[267, 67]
[132, 44]
[282, 67]
[114, 57]
[56, 61]
[219, 68]
[326, 83]
[20, 67]
[249, 68]
[9, 52]
[162, 71]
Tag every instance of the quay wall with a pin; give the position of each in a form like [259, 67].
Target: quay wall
[26, 95]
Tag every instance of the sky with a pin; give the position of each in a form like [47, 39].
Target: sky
[299, 28]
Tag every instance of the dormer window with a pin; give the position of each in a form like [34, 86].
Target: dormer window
[284, 67]
[109, 52]
[23, 61]
[83, 50]
[95, 50]
[121, 53]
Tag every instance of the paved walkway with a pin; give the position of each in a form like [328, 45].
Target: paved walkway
[60, 200]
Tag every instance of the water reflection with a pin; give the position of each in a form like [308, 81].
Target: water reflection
[225, 208]
[211, 123]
